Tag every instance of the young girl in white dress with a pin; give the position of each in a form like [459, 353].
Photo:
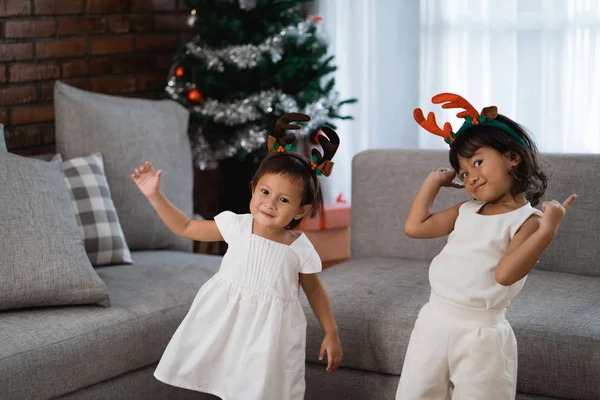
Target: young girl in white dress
[462, 347]
[244, 335]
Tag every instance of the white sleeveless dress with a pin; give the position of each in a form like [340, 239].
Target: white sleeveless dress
[244, 337]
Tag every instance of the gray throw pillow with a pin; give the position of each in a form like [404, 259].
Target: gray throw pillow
[129, 132]
[97, 218]
[42, 258]
[2, 141]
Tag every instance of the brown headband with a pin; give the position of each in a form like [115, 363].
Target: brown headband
[327, 138]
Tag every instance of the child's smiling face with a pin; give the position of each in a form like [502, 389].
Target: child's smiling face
[486, 174]
[277, 200]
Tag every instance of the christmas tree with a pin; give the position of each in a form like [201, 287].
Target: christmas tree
[250, 62]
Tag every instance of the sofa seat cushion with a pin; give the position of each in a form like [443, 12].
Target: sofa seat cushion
[555, 318]
[56, 351]
[375, 303]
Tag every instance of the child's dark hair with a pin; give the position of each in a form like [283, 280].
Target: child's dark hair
[298, 168]
[528, 176]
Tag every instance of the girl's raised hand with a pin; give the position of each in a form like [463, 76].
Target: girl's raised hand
[554, 212]
[445, 177]
[332, 346]
[147, 180]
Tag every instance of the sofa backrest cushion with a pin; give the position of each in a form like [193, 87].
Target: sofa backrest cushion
[384, 183]
[129, 132]
[2, 141]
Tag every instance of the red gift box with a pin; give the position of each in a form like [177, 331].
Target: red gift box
[330, 232]
[332, 245]
[336, 216]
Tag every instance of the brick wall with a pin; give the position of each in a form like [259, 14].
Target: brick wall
[122, 47]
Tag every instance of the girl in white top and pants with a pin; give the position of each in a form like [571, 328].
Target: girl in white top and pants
[462, 346]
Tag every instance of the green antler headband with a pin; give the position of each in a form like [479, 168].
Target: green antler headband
[472, 118]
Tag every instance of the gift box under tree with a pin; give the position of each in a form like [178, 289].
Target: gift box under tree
[329, 232]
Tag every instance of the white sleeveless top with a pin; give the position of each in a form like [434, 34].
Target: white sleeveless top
[464, 271]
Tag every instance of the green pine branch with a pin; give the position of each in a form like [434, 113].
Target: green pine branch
[221, 22]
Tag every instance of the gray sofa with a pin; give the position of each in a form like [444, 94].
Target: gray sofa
[376, 296]
[93, 352]
[70, 329]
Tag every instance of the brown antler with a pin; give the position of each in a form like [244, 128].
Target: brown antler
[283, 124]
[329, 141]
[430, 124]
[455, 101]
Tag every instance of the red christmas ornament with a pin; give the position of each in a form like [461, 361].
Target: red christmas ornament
[316, 18]
[195, 96]
[179, 72]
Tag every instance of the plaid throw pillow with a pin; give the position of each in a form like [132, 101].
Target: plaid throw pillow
[96, 214]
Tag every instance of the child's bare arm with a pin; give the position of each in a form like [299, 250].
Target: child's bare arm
[421, 223]
[317, 297]
[148, 182]
[530, 241]
[181, 225]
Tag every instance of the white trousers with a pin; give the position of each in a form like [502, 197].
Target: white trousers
[459, 353]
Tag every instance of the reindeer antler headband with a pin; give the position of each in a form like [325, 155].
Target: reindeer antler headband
[472, 118]
[329, 141]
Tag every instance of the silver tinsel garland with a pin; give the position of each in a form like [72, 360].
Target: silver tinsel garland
[247, 4]
[251, 137]
[207, 156]
[247, 56]
[253, 107]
